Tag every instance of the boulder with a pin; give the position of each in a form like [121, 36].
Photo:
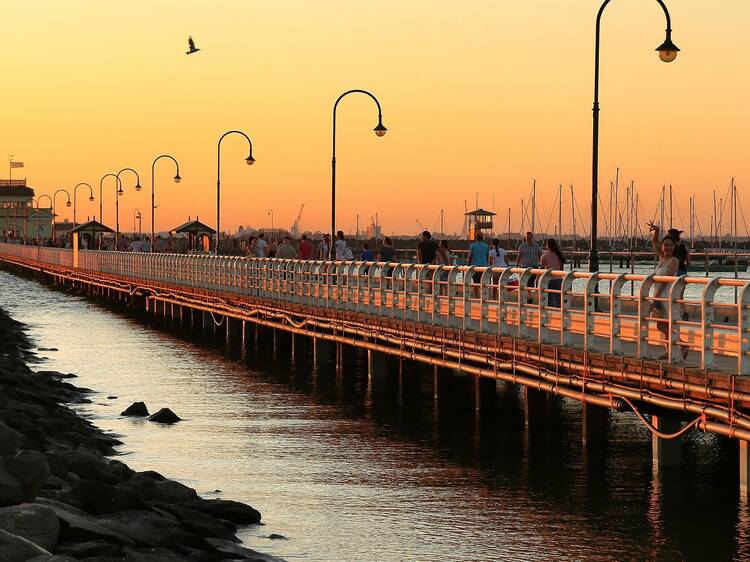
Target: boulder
[91, 466]
[52, 558]
[233, 511]
[232, 550]
[276, 537]
[10, 440]
[30, 469]
[13, 547]
[200, 523]
[79, 527]
[152, 487]
[165, 415]
[135, 409]
[90, 549]
[10, 488]
[99, 498]
[33, 522]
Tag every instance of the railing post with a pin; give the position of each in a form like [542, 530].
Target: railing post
[589, 308]
[743, 319]
[615, 314]
[644, 312]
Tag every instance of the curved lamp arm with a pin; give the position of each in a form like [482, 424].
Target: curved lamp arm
[177, 179]
[249, 161]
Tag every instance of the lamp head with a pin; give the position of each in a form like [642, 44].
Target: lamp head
[138, 187]
[91, 197]
[177, 178]
[120, 191]
[250, 160]
[667, 50]
[67, 204]
[380, 130]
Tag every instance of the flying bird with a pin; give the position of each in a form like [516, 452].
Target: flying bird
[191, 47]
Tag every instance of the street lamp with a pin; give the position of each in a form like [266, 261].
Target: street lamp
[51, 203]
[667, 53]
[270, 213]
[117, 199]
[249, 161]
[177, 179]
[379, 130]
[67, 204]
[75, 192]
[137, 217]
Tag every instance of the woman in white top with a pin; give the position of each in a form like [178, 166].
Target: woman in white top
[497, 254]
[667, 267]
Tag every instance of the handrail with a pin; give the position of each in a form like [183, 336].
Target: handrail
[635, 315]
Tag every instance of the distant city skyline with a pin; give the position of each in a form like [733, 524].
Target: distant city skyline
[481, 99]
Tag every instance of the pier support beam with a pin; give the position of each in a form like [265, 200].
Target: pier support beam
[744, 468]
[207, 323]
[435, 382]
[595, 422]
[666, 452]
[535, 402]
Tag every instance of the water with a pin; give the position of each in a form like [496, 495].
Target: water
[351, 471]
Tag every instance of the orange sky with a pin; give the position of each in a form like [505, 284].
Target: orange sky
[478, 97]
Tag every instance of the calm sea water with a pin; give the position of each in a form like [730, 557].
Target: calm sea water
[351, 470]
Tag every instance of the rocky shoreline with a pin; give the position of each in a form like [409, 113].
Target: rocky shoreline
[62, 498]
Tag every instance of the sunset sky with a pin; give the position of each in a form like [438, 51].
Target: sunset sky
[481, 96]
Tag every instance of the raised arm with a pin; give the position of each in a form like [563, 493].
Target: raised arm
[655, 231]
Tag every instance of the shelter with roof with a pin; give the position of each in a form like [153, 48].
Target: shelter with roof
[199, 235]
[18, 216]
[480, 220]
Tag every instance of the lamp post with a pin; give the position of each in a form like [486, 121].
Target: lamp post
[270, 213]
[249, 161]
[75, 192]
[379, 129]
[51, 203]
[667, 53]
[117, 199]
[137, 217]
[67, 204]
[177, 179]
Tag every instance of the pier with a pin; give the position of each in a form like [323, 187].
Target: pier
[599, 346]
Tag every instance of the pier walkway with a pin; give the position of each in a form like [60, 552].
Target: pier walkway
[589, 337]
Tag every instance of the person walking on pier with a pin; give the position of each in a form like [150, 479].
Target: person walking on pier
[479, 255]
[426, 249]
[681, 252]
[305, 249]
[387, 254]
[529, 253]
[342, 251]
[497, 254]
[367, 254]
[553, 259]
[286, 251]
[261, 246]
[667, 267]
[324, 248]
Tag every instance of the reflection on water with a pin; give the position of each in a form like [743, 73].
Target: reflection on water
[354, 469]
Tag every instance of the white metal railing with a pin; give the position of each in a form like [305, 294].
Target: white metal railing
[610, 312]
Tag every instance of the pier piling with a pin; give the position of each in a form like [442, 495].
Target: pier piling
[595, 421]
[666, 452]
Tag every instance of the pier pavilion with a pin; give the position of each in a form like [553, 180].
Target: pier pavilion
[18, 216]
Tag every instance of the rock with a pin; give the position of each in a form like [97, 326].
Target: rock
[276, 537]
[99, 498]
[10, 440]
[148, 528]
[89, 549]
[13, 547]
[237, 551]
[30, 469]
[200, 523]
[47, 349]
[152, 555]
[35, 523]
[152, 487]
[78, 526]
[90, 466]
[165, 415]
[233, 511]
[52, 558]
[111, 397]
[135, 409]
[10, 488]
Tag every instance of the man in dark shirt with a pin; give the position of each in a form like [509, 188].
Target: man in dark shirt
[427, 249]
[680, 252]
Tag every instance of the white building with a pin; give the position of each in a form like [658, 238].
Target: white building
[19, 218]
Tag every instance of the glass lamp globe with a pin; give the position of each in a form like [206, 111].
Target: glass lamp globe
[177, 178]
[68, 204]
[91, 198]
[250, 160]
[138, 187]
[380, 130]
[667, 56]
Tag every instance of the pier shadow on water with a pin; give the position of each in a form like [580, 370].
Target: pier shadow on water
[356, 467]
